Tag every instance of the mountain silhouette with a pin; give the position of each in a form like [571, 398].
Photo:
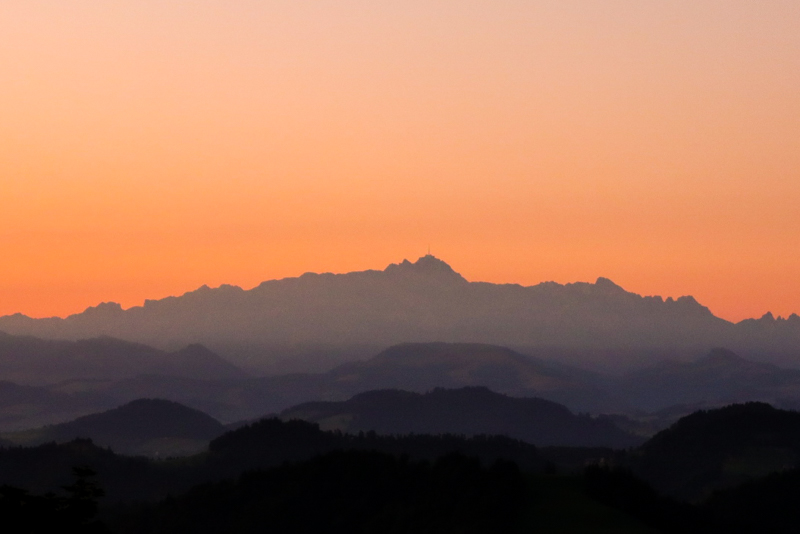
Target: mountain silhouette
[469, 411]
[329, 318]
[152, 427]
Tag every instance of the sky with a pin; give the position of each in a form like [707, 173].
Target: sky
[148, 147]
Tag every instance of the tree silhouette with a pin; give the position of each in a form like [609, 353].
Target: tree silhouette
[25, 513]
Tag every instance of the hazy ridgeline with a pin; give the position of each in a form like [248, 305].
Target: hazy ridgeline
[315, 321]
[640, 402]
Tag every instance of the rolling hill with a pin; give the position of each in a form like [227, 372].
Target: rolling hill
[150, 427]
[720, 448]
[469, 411]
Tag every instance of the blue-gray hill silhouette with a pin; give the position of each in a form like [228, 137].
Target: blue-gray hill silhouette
[153, 427]
[469, 411]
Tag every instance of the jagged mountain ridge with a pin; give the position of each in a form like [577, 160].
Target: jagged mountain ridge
[418, 302]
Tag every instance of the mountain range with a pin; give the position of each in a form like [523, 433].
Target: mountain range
[416, 367]
[161, 428]
[316, 321]
[643, 401]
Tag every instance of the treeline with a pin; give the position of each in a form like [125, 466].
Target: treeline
[262, 445]
[293, 477]
[352, 491]
[767, 505]
[73, 510]
[369, 491]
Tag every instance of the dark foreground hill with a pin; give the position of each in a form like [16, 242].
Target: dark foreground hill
[150, 427]
[381, 480]
[469, 411]
[265, 444]
[346, 492]
[714, 449]
[318, 317]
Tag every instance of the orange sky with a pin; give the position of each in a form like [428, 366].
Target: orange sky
[151, 146]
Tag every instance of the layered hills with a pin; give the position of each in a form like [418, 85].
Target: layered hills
[653, 397]
[703, 452]
[320, 319]
[721, 377]
[671, 390]
[415, 367]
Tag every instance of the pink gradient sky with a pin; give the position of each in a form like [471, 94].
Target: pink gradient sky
[149, 147]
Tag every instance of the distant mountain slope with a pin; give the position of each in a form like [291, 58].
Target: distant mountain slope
[418, 302]
[469, 411]
[413, 367]
[421, 367]
[719, 378]
[720, 448]
[683, 387]
[152, 427]
[30, 360]
[23, 407]
[673, 389]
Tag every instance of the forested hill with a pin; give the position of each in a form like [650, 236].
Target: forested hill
[712, 449]
[264, 444]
